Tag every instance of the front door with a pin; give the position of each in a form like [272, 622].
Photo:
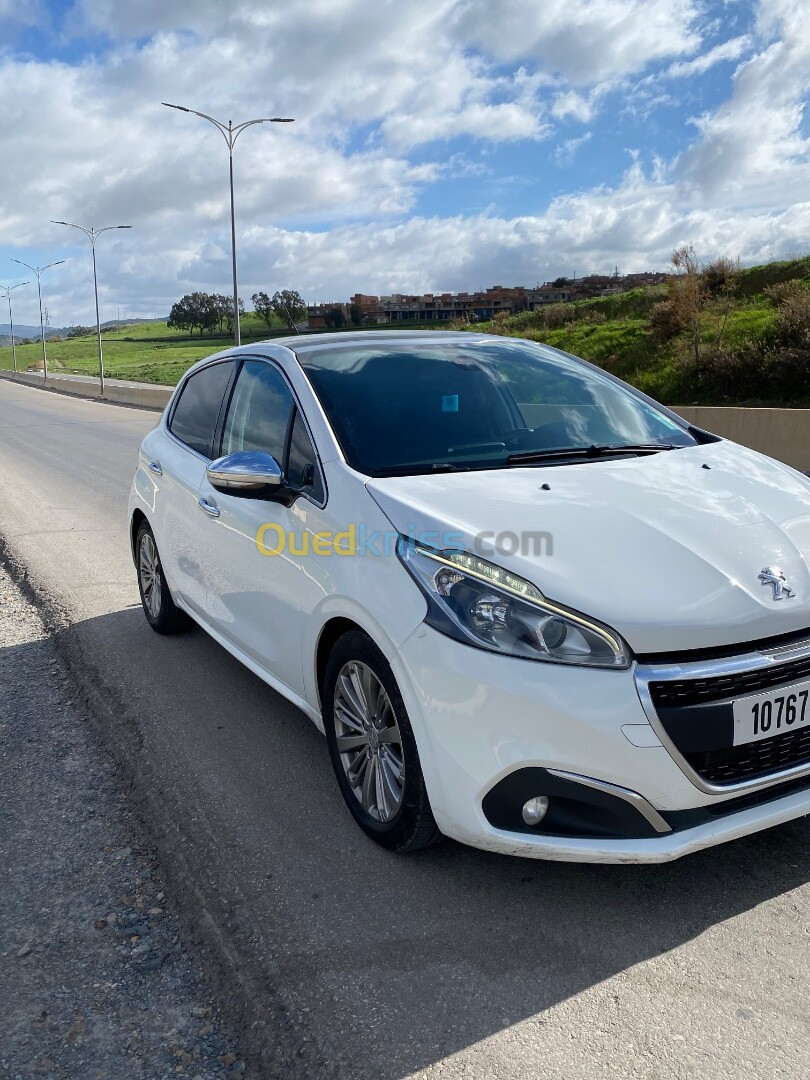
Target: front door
[257, 600]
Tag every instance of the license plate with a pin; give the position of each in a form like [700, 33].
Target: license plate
[762, 716]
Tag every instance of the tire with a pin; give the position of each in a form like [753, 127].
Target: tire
[376, 762]
[161, 612]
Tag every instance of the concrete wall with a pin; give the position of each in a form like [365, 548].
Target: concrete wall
[145, 395]
[780, 433]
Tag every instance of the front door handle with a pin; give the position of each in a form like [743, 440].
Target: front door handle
[154, 466]
[210, 508]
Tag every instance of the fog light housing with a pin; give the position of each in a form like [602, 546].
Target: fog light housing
[534, 810]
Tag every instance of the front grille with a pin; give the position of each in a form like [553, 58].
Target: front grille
[684, 692]
[752, 760]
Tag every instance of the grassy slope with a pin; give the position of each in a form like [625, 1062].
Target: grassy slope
[614, 332]
[145, 352]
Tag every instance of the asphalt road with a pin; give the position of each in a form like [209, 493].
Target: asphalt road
[335, 956]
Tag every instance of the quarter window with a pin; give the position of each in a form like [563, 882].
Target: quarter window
[302, 467]
[195, 414]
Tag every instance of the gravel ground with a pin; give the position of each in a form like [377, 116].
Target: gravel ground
[94, 980]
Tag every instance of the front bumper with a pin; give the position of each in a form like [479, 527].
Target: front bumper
[479, 718]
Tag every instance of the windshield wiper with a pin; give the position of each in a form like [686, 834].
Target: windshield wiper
[585, 453]
[419, 468]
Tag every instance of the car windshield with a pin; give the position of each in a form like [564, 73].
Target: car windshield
[407, 406]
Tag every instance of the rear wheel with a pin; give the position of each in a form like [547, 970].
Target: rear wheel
[161, 612]
[372, 747]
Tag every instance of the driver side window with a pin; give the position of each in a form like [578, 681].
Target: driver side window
[260, 412]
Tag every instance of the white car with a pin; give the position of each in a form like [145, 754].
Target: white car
[530, 608]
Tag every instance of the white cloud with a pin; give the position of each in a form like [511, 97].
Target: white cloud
[585, 41]
[726, 50]
[567, 150]
[750, 151]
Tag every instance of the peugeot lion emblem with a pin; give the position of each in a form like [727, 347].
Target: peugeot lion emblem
[774, 577]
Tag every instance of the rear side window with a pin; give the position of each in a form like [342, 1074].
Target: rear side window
[195, 415]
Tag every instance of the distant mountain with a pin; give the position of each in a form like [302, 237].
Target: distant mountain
[25, 331]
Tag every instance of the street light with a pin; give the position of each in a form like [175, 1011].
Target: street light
[231, 134]
[91, 235]
[39, 270]
[8, 290]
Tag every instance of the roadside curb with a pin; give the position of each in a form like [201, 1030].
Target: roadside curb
[116, 391]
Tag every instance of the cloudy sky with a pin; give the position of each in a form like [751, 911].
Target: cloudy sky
[437, 144]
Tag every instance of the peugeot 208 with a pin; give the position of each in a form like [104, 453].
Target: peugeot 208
[530, 608]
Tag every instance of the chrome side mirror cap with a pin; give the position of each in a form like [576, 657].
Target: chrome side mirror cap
[244, 472]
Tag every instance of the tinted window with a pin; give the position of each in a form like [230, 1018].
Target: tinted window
[302, 468]
[195, 415]
[260, 411]
[415, 405]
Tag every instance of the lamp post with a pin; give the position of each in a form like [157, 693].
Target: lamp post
[92, 235]
[39, 271]
[8, 290]
[231, 134]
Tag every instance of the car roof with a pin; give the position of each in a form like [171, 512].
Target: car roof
[312, 343]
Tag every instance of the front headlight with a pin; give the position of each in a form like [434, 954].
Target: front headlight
[482, 604]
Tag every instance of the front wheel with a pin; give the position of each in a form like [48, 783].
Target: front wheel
[162, 614]
[372, 747]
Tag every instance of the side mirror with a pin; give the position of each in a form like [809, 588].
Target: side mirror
[247, 472]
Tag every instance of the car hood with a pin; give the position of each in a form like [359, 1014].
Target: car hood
[667, 549]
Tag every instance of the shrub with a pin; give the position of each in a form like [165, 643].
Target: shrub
[792, 302]
[666, 319]
[721, 276]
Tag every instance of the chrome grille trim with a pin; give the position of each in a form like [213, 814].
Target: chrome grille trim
[760, 658]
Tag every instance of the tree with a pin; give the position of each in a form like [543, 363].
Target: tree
[80, 331]
[229, 313]
[335, 317]
[182, 315]
[288, 305]
[197, 309]
[263, 306]
[356, 315]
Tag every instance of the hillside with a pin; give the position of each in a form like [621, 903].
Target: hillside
[751, 345]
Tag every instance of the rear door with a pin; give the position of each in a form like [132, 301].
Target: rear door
[183, 454]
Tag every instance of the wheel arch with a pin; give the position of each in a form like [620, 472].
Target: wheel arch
[138, 516]
[330, 634]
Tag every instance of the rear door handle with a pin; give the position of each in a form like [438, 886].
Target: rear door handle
[154, 466]
[210, 508]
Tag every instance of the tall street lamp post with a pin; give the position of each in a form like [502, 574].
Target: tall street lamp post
[231, 134]
[39, 271]
[8, 290]
[92, 235]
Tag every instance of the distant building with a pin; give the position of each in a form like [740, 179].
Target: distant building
[482, 305]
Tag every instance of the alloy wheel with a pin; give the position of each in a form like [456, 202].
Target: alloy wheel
[369, 741]
[149, 570]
